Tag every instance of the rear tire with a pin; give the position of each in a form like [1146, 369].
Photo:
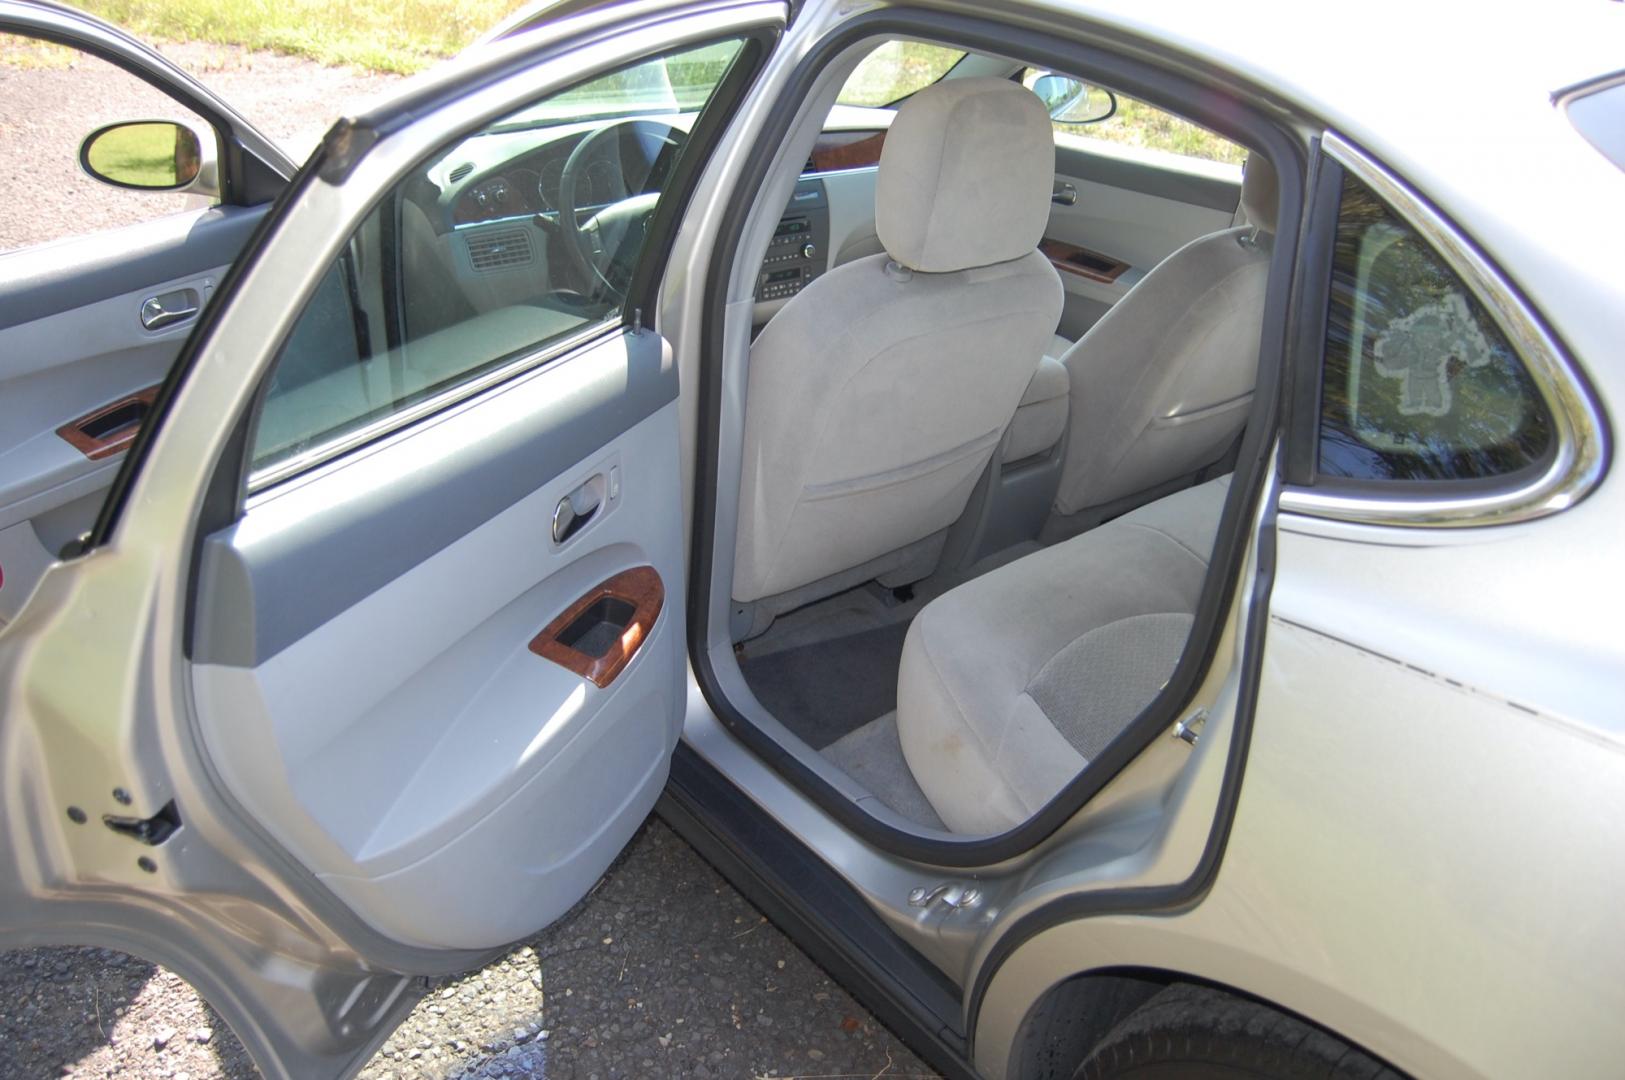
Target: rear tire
[1189, 1032]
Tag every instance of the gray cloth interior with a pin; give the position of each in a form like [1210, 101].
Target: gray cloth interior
[979, 742]
[1260, 192]
[1162, 384]
[1091, 689]
[965, 176]
[873, 756]
[826, 689]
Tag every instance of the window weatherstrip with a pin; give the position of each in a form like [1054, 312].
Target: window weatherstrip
[1579, 434]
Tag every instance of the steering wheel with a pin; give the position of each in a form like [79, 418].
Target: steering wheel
[605, 247]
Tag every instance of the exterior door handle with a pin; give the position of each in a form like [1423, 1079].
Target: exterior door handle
[169, 309]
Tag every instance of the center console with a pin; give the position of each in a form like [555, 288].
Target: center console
[799, 251]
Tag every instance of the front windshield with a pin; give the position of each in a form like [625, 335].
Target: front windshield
[674, 84]
[896, 70]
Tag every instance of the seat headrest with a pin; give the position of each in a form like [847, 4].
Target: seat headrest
[1259, 193]
[966, 175]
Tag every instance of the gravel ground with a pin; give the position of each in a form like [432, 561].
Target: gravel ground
[47, 107]
[664, 970]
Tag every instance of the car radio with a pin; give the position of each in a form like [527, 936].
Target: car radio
[798, 251]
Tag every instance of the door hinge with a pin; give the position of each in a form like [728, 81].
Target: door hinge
[953, 894]
[151, 831]
[1189, 729]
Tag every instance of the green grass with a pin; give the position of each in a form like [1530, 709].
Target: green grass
[383, 35]
[1137, 124]
[153, 155]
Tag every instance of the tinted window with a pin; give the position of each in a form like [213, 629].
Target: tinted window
[1419, 383]
[523, 235]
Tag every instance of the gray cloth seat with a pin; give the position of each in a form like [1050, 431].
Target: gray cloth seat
[1012, 682]
[1162, 384]
[879, 393]
[1058, 347]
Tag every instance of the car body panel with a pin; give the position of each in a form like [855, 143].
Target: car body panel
[1416, 856]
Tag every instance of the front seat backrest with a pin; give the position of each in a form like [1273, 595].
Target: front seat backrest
[878, 393]
[1161, 385]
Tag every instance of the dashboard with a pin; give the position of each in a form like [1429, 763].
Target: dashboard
[523, 190]
[799, 250]
[497, 190]
[637, 158]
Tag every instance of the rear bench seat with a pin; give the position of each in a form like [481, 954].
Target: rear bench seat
[1012, 682]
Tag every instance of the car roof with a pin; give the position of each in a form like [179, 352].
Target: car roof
[1460, 99]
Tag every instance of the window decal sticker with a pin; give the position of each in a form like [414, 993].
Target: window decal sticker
[1426, 349]
[1419, 383]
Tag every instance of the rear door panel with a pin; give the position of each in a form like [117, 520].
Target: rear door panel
[366, 684]
[378, 695]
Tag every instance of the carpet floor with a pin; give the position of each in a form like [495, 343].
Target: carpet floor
[824, 690]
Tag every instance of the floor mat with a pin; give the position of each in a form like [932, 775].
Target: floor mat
[873, 756]
[825, 690]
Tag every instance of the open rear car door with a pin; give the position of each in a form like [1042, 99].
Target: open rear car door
[375, 657]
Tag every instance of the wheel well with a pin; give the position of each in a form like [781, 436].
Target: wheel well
[1075, 1015]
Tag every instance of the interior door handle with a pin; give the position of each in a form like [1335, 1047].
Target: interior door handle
[169, 308]
[1065, 194]
[576, 509]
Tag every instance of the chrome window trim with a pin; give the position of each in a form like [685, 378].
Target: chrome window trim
[1579, 433]
[819, 175]
[322, 453]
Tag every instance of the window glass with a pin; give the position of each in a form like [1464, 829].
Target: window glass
[1419, 383]
[896, 70]
[53, 97]
[522, 235]
[1145, 126]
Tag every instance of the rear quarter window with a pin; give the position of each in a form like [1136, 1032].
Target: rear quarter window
[1419, 384]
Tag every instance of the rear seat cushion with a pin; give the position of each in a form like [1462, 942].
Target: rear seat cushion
[1010, 683]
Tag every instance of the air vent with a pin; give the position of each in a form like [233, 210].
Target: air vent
[461, 171]
[499, 249]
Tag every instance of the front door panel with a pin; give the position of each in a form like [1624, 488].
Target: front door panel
[1126, 216]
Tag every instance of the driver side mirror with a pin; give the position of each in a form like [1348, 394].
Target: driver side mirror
[151, 155]
[1070, 101]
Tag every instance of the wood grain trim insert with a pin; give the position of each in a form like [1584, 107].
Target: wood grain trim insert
[642, 590]
[847, 150]
[78, 433]
[1083, 262]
